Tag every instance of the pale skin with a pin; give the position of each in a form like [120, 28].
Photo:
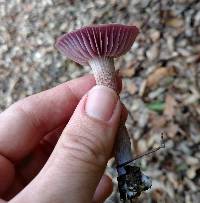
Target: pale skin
[52, 151]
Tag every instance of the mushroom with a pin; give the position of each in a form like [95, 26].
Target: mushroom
[97, 46]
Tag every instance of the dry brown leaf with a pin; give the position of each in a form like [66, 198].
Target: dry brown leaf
[173, 129]
[170, 107]
[158, 195]
[127, 72]
[156, 120]
[132, 88]
[142, 88]
[158, 75]
[175, 22]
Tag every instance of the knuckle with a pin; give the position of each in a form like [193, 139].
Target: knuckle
[87, 147]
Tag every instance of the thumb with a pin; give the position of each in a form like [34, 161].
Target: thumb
[78, 161]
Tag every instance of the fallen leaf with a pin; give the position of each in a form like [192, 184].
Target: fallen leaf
[152, 52]
[172, 177]
[191, 173]
[175, 22]
[143, 88]
[141, 146]
[156, 120]
[190, 160]
[127, 72]
[158, 195]
[173, 129]
[170, 107]
[158, 75]
[132, 88]
[154, 35]
[190, 184]
[157, 106]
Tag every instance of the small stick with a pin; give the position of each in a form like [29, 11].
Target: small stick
[162, 145]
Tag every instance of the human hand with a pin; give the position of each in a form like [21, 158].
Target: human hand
[54, 145]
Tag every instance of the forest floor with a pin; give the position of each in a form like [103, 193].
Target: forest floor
[161, 77]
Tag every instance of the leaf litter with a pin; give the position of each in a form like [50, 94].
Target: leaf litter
[161, 76]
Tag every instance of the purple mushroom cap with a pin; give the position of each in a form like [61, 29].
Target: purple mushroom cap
[109, 40]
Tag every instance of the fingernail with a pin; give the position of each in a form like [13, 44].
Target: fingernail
[101, 102]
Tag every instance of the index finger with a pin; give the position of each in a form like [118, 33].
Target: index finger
[27, 121]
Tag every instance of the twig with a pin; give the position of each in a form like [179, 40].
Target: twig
[162, 145]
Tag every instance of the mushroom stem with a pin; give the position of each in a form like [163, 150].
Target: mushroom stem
[104, 73]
